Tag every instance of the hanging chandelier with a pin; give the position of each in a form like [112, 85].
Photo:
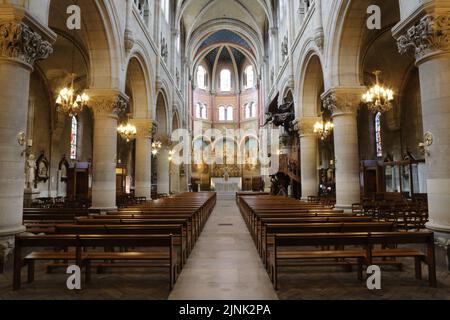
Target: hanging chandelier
[69, 102]
[156, 146]
[127, 132]
[378, 98]
[323, 129]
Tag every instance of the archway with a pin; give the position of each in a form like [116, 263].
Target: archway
[161, 174]
[137, 88]
[311, 112]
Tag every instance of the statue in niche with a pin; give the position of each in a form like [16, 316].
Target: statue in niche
[42, 168]
[30, 171]
[63, 167]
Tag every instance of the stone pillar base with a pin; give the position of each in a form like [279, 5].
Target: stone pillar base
[7, 238]
[443, 240]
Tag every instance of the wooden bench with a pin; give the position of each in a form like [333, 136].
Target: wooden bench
[271, 229]
[176, 230]
[81, 257]
[367, 253]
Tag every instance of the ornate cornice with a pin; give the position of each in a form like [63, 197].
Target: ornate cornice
[21, 43]
[429, 36]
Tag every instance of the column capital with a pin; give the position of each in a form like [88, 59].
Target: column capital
[343, 100]
[428, 37]
[107, 101]
[20, 43]
[145, 127]
[305, 125]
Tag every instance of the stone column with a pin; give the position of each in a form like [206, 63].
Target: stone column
[344, 103]
[143, 175]
[428, 41]
[174, 178]
[163, 171]
[308, 157]
[106, 106]
[20, 47]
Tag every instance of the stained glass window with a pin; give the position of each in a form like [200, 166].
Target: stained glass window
[201, 77]
[225, 80]
[222, 114]
[378, 139]
[74, 139]
[250, 76]
[253, 110]
[230, 115]
[204, 112]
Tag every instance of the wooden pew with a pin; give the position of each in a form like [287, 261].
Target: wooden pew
[272, 229]
[177, 230]
[367, 253]
[80, 256]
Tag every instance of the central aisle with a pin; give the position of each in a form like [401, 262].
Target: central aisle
[224, 264]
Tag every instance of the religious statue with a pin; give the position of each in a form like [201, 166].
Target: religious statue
[226, 176]
[30, 171]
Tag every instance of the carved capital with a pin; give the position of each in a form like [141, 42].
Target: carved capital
[427, 37]
[144, 127]
[306, 125]
[342, 100]
[107, 102]
[21, 43]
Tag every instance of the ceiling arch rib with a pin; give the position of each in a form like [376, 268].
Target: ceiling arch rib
[256, 8]
[197, 38]
[213, 51]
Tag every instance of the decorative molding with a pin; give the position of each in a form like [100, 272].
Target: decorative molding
[319, 39]
[21, 43]
[429, 36]
[129, 40]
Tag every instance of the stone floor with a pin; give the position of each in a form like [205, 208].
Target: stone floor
[225, 265]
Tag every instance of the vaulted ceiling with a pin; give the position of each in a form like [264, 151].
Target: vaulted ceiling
[200, 18]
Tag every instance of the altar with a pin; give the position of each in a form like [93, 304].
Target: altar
[226, 187]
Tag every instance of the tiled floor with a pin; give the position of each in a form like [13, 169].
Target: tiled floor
[224, 263]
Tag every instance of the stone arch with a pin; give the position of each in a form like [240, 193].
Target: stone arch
[161, 114]
[311, 87]
[344, 49]
[176, 120]
[350, 36]
[100, 36]
[138, 87]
